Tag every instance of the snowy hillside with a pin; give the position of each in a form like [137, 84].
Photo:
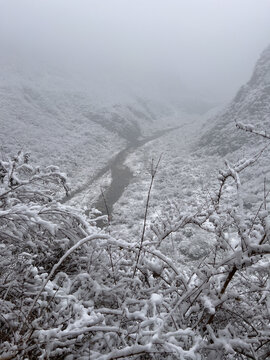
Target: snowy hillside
[251, 105]
[64, 122]
[193, 155]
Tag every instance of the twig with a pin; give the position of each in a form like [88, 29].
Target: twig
[153, 174]
[56, 266]
[106, 206]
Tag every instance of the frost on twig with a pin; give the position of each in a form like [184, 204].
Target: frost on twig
[250, 128]
[64, 295]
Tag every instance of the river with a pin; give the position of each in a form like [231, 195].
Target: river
[120, 173]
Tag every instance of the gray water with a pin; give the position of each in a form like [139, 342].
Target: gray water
[121, 175]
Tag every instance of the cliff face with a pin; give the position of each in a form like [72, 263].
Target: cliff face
[251, 105]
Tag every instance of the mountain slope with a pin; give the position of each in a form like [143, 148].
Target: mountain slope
[251, 105]
[62, 122]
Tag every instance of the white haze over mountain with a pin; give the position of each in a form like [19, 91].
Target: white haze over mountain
[170, 49]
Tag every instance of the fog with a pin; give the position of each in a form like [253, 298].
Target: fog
[208, 47]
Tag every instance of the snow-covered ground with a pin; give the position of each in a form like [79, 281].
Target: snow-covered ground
[64, 123]
[182, 182]
[191, 159]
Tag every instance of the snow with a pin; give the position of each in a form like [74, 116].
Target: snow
[201, 254]
[156, 299]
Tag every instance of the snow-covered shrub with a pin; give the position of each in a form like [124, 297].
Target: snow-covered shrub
[35, 232]
[71, 291]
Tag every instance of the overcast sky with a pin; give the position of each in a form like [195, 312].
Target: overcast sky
[210, 46]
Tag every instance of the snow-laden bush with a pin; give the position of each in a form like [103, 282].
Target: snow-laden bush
[69, 290]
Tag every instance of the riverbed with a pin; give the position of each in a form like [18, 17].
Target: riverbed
[121, 175]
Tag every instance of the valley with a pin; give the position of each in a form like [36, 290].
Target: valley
[134, 181]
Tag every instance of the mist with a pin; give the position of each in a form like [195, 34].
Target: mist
[207, 48]
[134, 184]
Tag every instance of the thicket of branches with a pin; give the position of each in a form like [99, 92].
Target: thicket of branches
[69, 290]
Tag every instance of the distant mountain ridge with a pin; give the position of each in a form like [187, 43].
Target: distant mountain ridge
[61, 122]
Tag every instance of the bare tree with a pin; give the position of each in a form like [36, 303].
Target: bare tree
[62, 298]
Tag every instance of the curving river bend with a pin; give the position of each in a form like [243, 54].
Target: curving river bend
[120, 173]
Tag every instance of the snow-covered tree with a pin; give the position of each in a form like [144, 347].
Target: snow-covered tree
[69, 290]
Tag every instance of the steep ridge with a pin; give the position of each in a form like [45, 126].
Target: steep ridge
[251, 105]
